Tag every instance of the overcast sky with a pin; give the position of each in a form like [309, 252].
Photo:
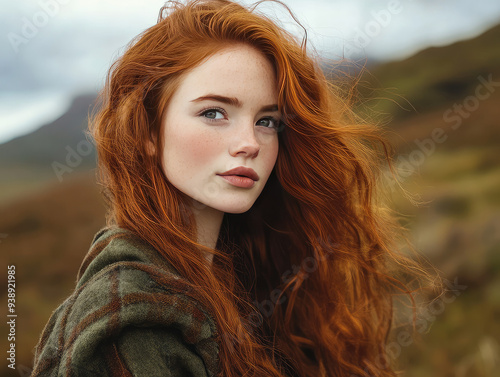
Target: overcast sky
[53, 49]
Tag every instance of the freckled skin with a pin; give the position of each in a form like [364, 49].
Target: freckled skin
[198, 147]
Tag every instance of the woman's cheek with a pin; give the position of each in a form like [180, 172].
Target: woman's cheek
[203, 146]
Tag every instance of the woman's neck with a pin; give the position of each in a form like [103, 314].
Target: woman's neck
[208, 223]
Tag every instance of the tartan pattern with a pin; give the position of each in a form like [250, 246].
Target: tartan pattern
[131, 314]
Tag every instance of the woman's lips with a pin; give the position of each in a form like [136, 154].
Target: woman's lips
[238, 181]
[242, 171]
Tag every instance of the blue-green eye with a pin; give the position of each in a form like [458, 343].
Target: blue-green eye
[211, 114]
[269, 122]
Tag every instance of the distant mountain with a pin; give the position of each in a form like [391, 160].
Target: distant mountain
[52, 142]
[434, 77]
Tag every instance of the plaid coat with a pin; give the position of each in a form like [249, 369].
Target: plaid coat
[130, 314]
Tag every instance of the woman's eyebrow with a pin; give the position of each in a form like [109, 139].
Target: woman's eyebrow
[231, 101]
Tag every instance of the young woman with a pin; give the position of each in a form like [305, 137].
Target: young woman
[243, 235]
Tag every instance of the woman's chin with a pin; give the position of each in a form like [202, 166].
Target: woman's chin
[235, 209]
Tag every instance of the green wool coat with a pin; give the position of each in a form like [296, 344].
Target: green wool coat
[131, 314]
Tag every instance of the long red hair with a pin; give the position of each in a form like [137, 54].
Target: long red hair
[301, 283]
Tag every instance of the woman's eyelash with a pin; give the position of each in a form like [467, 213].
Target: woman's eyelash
[212, 109]
[276, 121]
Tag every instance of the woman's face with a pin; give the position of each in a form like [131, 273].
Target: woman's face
[224, 115]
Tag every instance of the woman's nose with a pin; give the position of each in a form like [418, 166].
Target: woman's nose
[245, 142]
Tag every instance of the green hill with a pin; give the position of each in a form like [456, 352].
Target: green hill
[435, 77]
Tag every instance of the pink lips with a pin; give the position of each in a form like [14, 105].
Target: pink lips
[241, 176]
[239, 181]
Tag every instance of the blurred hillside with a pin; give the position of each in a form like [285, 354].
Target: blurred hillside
[441, 110]
[32, 161]
[436, 77]
[444, 124]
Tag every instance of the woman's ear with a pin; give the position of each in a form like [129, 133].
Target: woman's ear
[150, 147]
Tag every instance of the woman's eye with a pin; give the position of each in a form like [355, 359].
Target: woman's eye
[213, 114]
[268, 122]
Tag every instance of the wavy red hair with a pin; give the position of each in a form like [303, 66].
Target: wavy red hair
[301, 283]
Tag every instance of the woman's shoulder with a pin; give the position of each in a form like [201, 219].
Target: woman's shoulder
[125, 294]
[112, 245]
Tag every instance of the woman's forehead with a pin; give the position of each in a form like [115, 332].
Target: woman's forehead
[237, 72]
